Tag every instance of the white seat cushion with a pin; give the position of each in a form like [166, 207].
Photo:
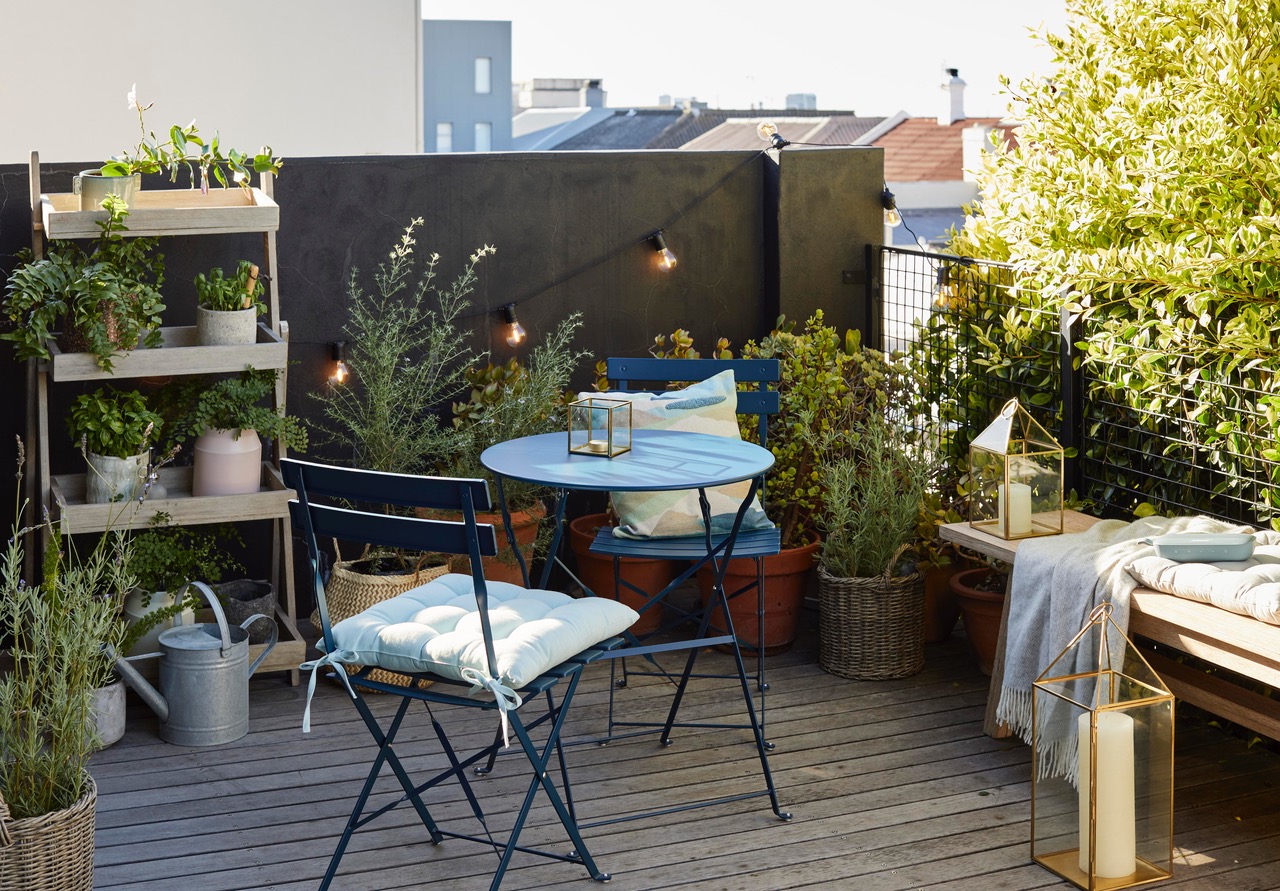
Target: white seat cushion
[436, 627]
[1249, 587]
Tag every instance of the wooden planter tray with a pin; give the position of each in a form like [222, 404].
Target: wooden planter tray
[268, 503]
[178, 354]
[167, 212]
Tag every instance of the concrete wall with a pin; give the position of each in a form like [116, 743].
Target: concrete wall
[308, 77]
[753, 237]
[449, 53]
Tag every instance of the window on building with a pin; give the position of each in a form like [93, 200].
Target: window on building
[484, 72]
[444, 136]
[484, 136]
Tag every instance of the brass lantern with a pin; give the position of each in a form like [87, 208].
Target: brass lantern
[1015, 472]
[1102, 761]
[600, 426]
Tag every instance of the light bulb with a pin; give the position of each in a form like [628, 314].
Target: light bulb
[666, 257]
[515, 331]
[891, 216]
[945, 292]
[766, 130]
[340, 371]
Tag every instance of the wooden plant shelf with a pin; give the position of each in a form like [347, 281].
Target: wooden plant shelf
[271, 502]
[178, 354]
[167, 212]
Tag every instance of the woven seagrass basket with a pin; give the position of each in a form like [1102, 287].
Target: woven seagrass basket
[52, 852]
[871, 628]
[349, 592]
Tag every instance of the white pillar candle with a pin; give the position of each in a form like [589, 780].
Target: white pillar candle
[1013, 509]
[1116, 825]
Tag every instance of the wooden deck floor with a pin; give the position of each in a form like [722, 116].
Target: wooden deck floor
[892, 786]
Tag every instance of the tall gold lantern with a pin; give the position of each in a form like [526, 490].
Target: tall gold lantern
[1101, 713]
[1015, 472]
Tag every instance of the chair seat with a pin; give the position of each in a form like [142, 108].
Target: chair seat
[436, 628]
[750, 543]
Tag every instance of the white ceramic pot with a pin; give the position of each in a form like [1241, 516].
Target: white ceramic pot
[92, 187]
[219, 327]
[135, 610]
[115, 479]
[108, 713]
[225, 465]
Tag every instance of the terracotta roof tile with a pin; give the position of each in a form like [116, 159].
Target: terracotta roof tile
[918, 149]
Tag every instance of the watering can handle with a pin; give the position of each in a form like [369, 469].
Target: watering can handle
[271, 642]
[217, 612]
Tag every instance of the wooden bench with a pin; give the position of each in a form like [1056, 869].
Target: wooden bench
[1241, 644]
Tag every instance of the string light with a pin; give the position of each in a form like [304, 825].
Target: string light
[515, 332]
[892, 217]
[666, 257]
[768, 131]
[340, 371]
[944, 291]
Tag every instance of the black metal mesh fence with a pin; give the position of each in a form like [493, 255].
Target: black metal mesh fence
[1197, 444]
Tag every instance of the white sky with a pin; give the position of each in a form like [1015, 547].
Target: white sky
[873, 57]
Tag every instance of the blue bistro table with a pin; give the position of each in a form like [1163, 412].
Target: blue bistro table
[658, 460]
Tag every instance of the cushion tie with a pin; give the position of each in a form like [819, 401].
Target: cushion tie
[506, 698]
[337, 658]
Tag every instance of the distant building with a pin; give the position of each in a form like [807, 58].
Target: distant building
[802, 101]
[466, 72]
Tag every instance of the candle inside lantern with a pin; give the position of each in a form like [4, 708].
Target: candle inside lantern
[598, 445]
[1013, 509]
[1116, 828]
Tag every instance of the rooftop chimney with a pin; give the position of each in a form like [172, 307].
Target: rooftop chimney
[953, 103]
[592, 94]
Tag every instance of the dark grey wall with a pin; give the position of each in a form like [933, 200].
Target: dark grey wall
[549, 215]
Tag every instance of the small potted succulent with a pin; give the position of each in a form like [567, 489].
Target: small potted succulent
[226, 418]
[114, 430]
[229, 307]
[100, 301]
[185, 148]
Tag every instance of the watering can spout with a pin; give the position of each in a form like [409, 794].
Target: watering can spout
[150, 695]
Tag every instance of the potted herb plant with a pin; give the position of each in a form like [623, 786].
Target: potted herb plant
[870, 590]
[228, 308]
[226, 418]
[102, 301]
[114, 429]
[184, 148]
[161, 561]
[56, 629]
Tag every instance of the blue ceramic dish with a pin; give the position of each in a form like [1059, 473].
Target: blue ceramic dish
[1204, 547]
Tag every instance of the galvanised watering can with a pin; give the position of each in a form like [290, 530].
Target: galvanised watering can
[203, 698]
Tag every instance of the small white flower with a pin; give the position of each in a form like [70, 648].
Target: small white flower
[133, 98]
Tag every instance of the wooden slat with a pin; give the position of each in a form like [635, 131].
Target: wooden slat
[1220, 697]
[166, 212]
[1241, 644]
[270, 502]
[177, 354]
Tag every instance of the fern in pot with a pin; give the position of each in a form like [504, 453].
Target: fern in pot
[114, 429]
[870, 589]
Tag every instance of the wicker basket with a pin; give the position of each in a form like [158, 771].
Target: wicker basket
[52, 852]
[871, 628]
[349, 592]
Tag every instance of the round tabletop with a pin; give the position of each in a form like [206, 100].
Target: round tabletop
[659, 459]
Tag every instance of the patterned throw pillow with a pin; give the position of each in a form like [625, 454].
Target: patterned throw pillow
[707, 407]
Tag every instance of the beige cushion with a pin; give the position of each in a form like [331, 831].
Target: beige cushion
[707, 407]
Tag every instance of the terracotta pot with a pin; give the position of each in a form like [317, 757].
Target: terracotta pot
[786, 581]
[596, 572]
[941, 612]
[504, 568]
[981, 610]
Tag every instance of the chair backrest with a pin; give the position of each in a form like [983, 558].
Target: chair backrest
[761, 400]
[317, 484]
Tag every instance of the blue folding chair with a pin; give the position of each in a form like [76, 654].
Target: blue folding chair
[444, 632]
[760, 400]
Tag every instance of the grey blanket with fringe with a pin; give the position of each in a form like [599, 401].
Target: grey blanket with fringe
[1057, 581]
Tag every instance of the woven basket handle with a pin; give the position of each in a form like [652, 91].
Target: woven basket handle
[5, 838]
[337, 552]
[893, 561]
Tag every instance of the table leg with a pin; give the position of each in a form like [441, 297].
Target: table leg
[990, 725]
